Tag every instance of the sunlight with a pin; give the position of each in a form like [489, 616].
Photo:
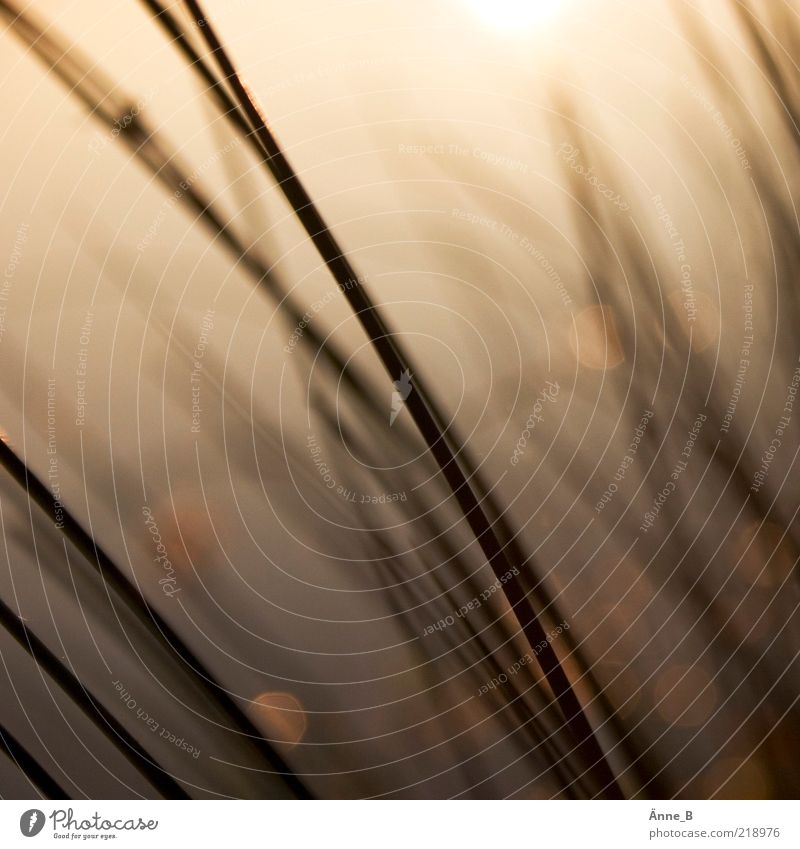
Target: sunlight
[515, 14]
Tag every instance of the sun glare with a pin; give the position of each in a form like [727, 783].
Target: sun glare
[515, 14]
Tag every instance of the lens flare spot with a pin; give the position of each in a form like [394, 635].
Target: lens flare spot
[280, 716]
[594, 339]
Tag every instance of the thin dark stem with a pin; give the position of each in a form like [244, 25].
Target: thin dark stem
[226, 104]
[544, 602]
[113, 576]
[36, 774]
[106, 105]
[166, 785]
[421, 409]
[516, 716]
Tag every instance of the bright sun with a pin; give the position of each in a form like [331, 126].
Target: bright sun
[515, 14]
